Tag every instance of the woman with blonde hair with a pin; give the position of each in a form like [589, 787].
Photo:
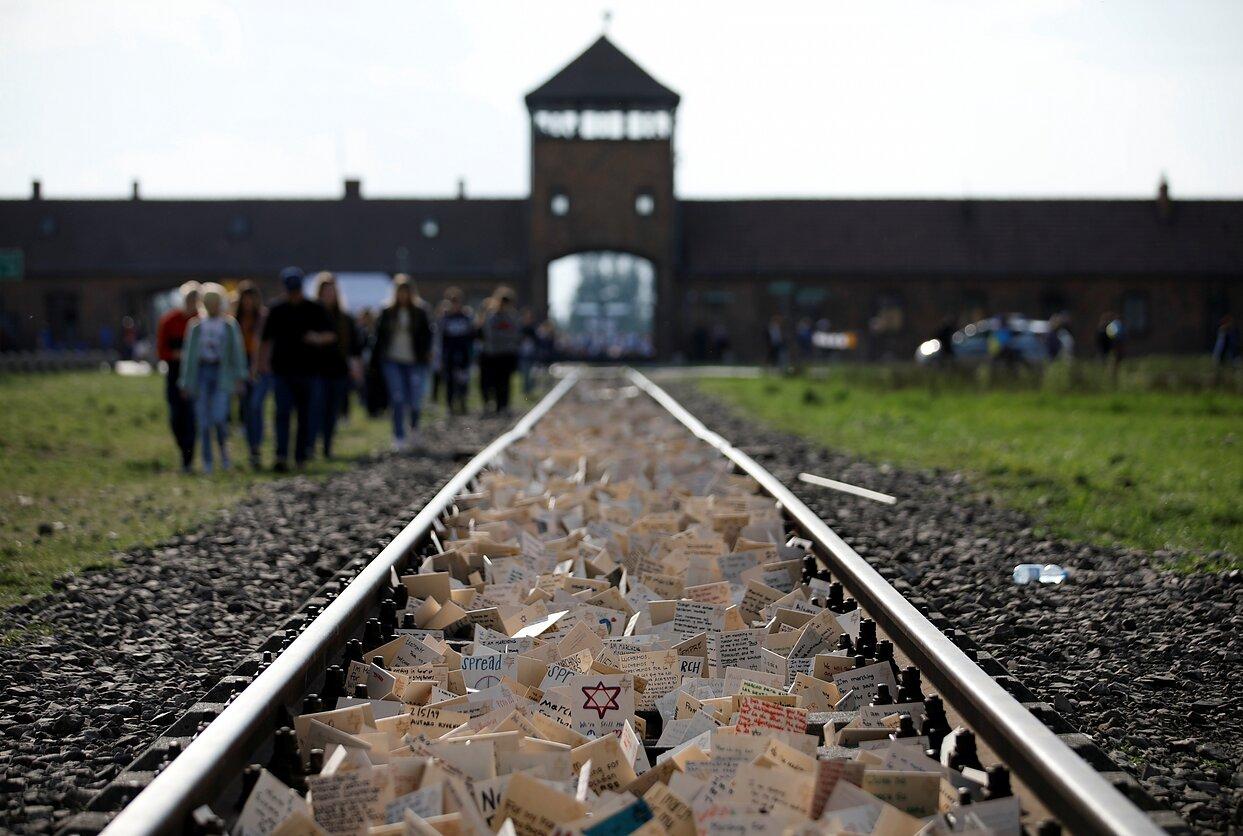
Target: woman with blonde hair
[213, 366]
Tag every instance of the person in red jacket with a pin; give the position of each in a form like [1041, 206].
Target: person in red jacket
[170, 334]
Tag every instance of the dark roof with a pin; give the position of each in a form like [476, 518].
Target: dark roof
[961, 237]
[259, 237]
[602, 77]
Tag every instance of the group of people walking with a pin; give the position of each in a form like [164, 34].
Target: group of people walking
[309, 353]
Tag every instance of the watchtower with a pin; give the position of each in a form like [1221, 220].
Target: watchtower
[602, 171]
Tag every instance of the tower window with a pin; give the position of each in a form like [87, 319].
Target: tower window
[430, 228]
[644, 204]
[560, 204]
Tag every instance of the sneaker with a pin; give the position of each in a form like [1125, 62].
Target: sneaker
[400, 445]
[280, 466]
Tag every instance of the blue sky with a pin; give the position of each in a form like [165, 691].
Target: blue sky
[947, 98]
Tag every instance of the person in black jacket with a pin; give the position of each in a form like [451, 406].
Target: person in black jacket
[402, 350]
[295, 331]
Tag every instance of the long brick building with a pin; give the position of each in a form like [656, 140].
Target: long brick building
[602, 180]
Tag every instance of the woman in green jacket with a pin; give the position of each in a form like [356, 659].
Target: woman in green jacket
[213, 368]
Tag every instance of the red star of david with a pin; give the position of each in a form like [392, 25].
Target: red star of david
[594, 692]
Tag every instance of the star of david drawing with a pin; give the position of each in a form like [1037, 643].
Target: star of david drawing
[592, 694]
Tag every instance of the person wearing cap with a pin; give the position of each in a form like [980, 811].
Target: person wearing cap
[294, 334]
[403, 350]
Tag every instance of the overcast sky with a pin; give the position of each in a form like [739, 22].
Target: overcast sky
[995, 98]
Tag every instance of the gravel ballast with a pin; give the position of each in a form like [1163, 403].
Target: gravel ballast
[111, 658]
[1146, 661]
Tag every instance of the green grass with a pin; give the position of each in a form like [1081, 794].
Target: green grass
[91, 455]
[1132, 466]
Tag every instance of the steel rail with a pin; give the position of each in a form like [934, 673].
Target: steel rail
[215, 757]
[1074, 792]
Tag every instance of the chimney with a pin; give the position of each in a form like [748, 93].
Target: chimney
[353, 189]
[36, 190]
[133, 190]
[1165, 206]
[461, 188]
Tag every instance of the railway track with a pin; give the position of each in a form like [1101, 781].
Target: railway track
[626, 446]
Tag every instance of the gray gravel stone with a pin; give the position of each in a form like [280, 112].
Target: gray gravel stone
[137, 645]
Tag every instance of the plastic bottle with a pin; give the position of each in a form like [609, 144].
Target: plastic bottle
[1052, 573]
[1026, 573]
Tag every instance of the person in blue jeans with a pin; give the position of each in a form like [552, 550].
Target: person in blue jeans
[295, 331]
[403, 350]
[340, 362]
[213, 366]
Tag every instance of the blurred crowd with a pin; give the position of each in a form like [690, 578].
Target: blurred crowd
[228, 353]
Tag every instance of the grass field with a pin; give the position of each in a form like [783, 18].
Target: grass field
[1153, 469]
[88, 459]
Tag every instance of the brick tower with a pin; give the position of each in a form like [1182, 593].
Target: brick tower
[602, 172]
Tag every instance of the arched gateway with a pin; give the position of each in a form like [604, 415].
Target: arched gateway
[602, 182]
